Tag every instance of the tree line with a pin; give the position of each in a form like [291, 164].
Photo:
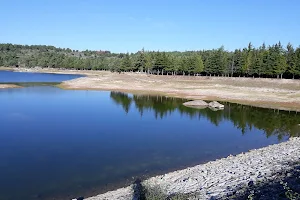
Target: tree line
[274, 61]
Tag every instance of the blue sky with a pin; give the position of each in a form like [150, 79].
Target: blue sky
[128, 26]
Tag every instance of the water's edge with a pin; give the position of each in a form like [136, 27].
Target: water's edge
[275, 103]
[168, 178]
[221, 177]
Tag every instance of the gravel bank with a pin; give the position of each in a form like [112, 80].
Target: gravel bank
[223, 177]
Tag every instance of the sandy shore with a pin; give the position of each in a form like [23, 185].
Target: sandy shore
[268, 93]
[4, 86]
[223, 177]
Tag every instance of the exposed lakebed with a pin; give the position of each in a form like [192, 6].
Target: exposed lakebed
[63, 143]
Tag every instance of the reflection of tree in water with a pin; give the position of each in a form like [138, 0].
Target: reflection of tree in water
[122, 99]
[272, 122]
[160, 105]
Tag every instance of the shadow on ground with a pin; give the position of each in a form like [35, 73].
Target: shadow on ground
[284, 186]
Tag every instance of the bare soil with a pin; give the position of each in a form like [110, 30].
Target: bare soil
[269, 93]
[283, 94]
[3, 86]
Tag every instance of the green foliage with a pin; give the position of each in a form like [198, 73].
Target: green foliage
[126, 63]
[198, 64]
[148, 63]
[279, 62]
[297, 60]
[141, 62]
[272, 61]
[291, 60]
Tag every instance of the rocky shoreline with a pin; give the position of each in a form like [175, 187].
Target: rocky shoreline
[227, 178]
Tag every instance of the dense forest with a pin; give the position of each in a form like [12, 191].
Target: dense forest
[273, 61]
[244, 118]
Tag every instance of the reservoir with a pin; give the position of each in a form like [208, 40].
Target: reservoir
[60, 144]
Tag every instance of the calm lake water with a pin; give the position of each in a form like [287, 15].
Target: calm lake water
[62, 143]
[21, 77]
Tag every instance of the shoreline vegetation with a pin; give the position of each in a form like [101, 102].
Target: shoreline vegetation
[267, 173]
[272, 61]
[281, 94]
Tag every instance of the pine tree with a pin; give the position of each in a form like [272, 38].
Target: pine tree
[140, 65]
[176, 62]
[148, 63]
[170, 64]
[166, 63]
[297, 59]
[161, 63]
[267, 61]
[256, 63]
[279, 60]
[291, 60]
[244, 62]
[126, 63]
[184, 65]
[237, 62]
[216, 63]
[221, 61]
[198, 63]
[158, 62]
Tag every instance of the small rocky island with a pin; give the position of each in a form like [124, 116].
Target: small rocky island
[200, 104]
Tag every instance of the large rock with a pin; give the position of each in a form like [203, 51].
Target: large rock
[215, 104]
[196, 104]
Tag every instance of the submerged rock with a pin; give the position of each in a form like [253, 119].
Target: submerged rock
[215, 104]
[196, 104]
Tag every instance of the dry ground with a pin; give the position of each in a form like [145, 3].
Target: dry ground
[2, 86]
[270, 93]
